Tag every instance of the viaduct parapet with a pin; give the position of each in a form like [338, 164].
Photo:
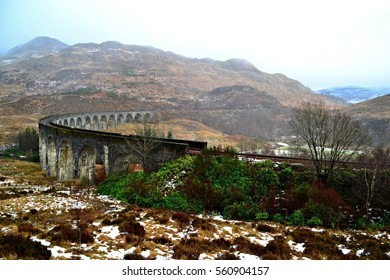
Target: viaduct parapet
[71, 146]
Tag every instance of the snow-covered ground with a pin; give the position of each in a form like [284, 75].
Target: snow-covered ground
[45, 207]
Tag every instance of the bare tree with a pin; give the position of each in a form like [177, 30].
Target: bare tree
[145, 145]
[332, 137]
[375, 165]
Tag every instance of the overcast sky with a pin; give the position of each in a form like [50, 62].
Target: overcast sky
[319, 43]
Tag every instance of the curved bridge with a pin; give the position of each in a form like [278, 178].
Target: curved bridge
[72, 146]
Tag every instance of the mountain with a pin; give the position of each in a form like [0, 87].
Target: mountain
[136, 72]
[355, 94]
[233, 96]
[38, 47]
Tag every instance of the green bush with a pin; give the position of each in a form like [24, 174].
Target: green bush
[241, 211]
[321, 211]
[314, 221]
[286, 176]
[296, 218]
[262, 216]
[175, 201]
[173, 173]
[279, 218]
[117, 186]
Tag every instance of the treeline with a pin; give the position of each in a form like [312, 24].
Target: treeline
[27, 145]
[263, 190]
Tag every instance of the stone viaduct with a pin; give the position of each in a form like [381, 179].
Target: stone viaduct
[71, 146]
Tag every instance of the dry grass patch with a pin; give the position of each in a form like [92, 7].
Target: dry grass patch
[20, 247]
[190, 249]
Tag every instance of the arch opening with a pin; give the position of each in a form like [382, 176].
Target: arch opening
[138, 118]
[121, 119]
[79, 123]
[111, 121]
[129, 118]
[72, 123]
[103, 122]
[88, 123]
[95, 123]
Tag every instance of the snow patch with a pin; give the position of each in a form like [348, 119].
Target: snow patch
[263, 242]
[145, 254]
[299, 247]
[317, 230]
[343, 249]
[42, 241]
[110, 231]
[359, 252]
[246, 257]
[57, 251]
[228, 230]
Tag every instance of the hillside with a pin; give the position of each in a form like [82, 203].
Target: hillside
[377, 107]
[375, 114]
[128, 70]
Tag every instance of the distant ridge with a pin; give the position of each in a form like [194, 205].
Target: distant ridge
[355, 94]
[37, 47]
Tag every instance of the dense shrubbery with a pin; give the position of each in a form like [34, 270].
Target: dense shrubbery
[244, 190]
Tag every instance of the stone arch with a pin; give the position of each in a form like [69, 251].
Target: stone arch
[138, 118]
[147, 118]
[60, 122]
[103, 122]
[95, 123]
[79, 123]
[86, 164]
[121, 119]
[88, 122]
[72, 123]
[129, 118]
[66, 123]
[111, 121]
[51, 157]
[65, 162]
